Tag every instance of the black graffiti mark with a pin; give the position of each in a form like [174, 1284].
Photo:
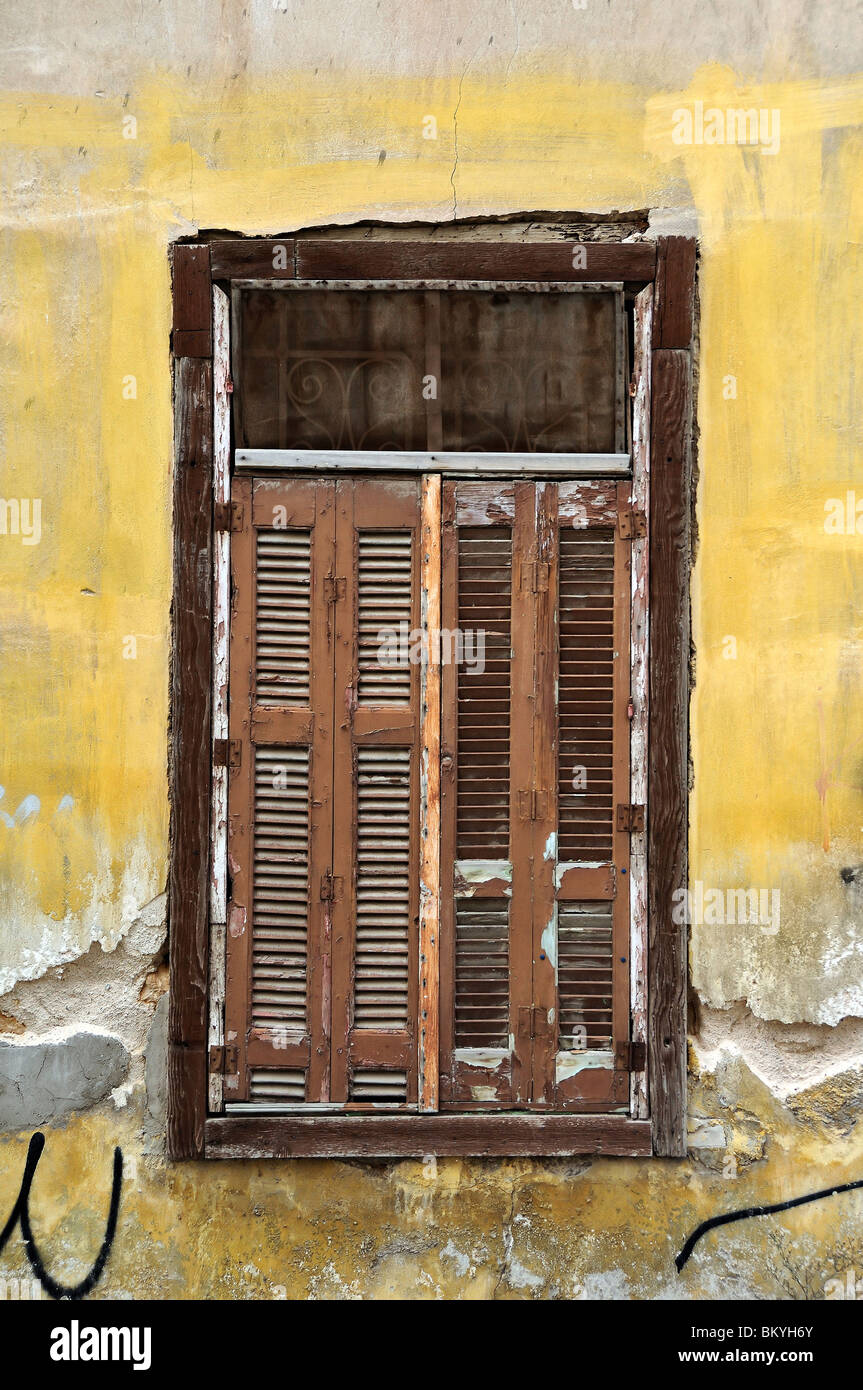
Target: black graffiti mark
[21, 1212]
[729, 1216]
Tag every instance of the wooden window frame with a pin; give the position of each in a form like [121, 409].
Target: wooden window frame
[662, 274]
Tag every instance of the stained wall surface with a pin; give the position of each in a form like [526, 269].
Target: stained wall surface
[125, 127]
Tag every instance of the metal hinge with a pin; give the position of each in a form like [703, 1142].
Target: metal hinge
[331, 888]
[630, 818]
[227, 752]
[225, 1060]
[534, 576]
[632, 525]
[228, 516]
[334, 588]
[533, 805]
[630, 1056]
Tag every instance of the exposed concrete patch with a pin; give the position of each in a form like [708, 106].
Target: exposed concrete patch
[156, 1072]
[787, 1057]
[811, 969]
[835, 1102]
[48, 1078]
[41, 942]
[101, 986]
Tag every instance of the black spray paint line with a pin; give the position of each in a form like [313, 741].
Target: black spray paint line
[741, 1215]
[21, 1212]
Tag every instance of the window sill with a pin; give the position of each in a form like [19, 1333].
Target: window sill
[416, 1136]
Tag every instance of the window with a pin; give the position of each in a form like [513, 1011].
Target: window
[418, 729]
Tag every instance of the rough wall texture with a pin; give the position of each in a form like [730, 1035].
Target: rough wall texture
[123, 128]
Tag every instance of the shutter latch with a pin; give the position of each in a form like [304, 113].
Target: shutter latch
[334, 588]
[227, 752]
[331, 888]
[224, 1060]
[228, 516]
[630, 818]
[632, 525]
[630, 1056]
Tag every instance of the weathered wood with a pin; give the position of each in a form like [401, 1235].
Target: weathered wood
[521, 780]
[544, 737]
[432, 260]
[190, 752]
[193, 324]
[640, 690]
[414, 1136]
[430, 806]
[669, 706]
[675, 292]
[238, 943]
[272, 259]
[216, 1015]
[221, 603]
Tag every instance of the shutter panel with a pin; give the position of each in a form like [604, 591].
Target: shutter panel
[590, 893]
[485, 888]
[376, 845]
[535, 759]
[280, 790]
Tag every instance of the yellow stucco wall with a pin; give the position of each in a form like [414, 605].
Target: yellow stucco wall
[776, 730]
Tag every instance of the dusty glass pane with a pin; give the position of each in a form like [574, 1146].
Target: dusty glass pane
[330, 369]
[528, 373]
[476, 370]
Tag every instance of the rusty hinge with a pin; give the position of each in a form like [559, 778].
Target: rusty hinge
[632, 525]
[630, 818]
[227, 752]
[534, 576]
[331, 888]
[334, 588]
[532, 804]
[228, 516]
[630, 1056]
[225, 1060]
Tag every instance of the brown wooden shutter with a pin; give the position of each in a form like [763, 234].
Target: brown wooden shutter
[583, 886]
[280, 790]
[535, 758]
[376, 809]
[323, 809]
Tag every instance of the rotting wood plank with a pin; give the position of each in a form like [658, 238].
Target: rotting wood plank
[414, 1136]
[192, 322]
[544, 735]
[188, 885]
[272, 259]
[430, 800]
[675, 292]
[522, 783]
[476, 260]
[669, 704]
[643, 316]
